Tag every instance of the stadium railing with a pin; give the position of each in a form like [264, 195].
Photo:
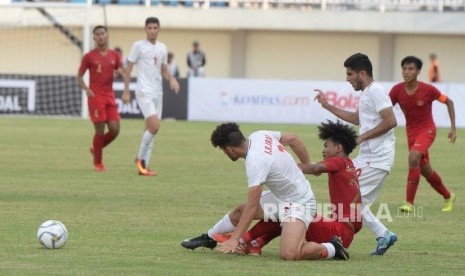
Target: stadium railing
[333, 5]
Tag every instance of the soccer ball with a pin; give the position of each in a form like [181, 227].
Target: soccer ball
[52, 234]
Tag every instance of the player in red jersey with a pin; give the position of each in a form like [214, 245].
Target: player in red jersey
[345, 221]
[416, 98]
[102, 63]
[344, 192]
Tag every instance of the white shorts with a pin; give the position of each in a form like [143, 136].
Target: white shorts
[150, 105]
[370, 179]
[276, 210]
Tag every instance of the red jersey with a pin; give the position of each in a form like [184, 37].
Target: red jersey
[344, 190]
[418, 107]
[101, 69]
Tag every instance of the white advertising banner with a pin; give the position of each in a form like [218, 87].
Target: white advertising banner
[273, 101]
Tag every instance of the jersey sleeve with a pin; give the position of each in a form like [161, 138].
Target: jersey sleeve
[381, 100]
[275, 134]
[435, 94]
[85, 64]
[134, 53]
[256, 171]
[165, 57]
[393, 95]
[333, 164]
[117, 60]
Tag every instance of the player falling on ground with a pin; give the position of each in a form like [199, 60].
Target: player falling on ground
[101, 63]
[377, 142]
[290, 195]
[339, 142]
[416, 98]
[150, 57]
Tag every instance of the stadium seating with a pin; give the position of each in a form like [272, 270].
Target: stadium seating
[335, 5]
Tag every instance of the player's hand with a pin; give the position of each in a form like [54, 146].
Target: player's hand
[452, 136]
[174, 85]
[126, 97]
[321, 98]
[229, 246]
[90, 93]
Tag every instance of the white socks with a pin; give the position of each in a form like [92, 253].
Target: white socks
[148, 153]
[330, 248]
[146, 144]
[222, 227]
[369, 220]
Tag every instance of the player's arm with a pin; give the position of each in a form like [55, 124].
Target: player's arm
[82, 84]
[126, 97]
[348, 116]
[204, 60]
[189, 62]
[297, 146]
[174, 85]
[389, 121]
[316, 169]
[452, 135]
[248, 214]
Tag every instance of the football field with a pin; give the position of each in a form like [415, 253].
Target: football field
[120, 223]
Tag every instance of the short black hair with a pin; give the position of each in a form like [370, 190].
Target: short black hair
[150, 20]
[99, 27]
[227, 134]
[359, 62]
[412, 59]
[339, 133]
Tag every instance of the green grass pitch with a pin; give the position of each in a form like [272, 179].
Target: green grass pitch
[122, 224]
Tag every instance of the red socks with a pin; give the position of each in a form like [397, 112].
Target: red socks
[262, 233]
[108, 138]
[412, 183]
[99, 143]
[436, 182]
[97, 147]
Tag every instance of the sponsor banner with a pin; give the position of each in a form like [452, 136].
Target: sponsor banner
[271, 101]
[264, 101]
[39, 95]
[61, 95]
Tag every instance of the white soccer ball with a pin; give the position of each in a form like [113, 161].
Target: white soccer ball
[52, 234]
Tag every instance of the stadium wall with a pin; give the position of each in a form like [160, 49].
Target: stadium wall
[273, 44]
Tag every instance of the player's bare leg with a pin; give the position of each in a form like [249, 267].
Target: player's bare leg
[294, 247]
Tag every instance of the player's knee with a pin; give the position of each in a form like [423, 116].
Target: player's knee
[414, 158]
[153, 129]
[289, 255]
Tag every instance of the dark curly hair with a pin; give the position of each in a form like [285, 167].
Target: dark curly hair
[339, 133]
[227, 134]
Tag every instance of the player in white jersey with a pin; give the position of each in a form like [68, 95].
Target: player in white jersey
[377, 142]
[150, 58]
[290, 198]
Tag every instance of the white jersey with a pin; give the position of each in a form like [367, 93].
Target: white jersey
[267, 162]
[148, 59]
[379, 151]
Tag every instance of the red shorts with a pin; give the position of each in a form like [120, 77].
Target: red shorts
[322, 230]
[102, 109]
[421, 141]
